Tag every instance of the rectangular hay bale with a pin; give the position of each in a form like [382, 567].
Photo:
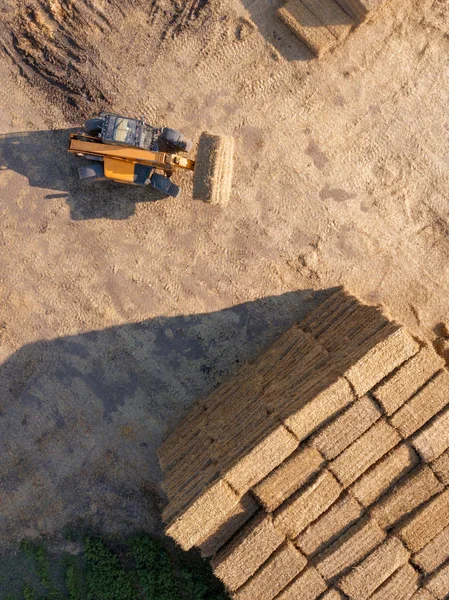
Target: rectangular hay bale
[426, 523]
[306, 27]
[215, 539]
[237, 561]
[364, 452]
[350, 548]
[438, 584]
[205, 514]
[435, 553]
[288, 477]
[307, 505]
[406, 381]
[340, 516]
[418, 487]
[307, 586]
[331, 15]
[400, 586]
[364, 579]
[274, 575]
[310, 415]
[381, 360]
[423, 594]
[332, 439]
[424, 405]
[260, 460]
[384, 474]
[433, 439]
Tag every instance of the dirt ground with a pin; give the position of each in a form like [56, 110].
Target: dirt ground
[119, 308]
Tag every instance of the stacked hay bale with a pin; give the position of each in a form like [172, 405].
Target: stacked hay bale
[320, 469]
[321, 24]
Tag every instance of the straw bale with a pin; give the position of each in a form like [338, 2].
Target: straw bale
[390, 352]
[406, 381]
[341, 515]
[435, 553]
[307, 505]
[376, 568]
[331, 15]
[185, 472]
[384, 474]
[350, 548]
[237, 561]
[189, 491]
[440, 466]
[332, 439]
[419, 530]
[234, 521]
[364, 452]
[423, 594]
[430, 399]
[307, 586]
[433, 439]
[269, 453]
[332, 594]
[208, 511]
[288, 477]
[400, 586]
[306, 26]
[438, 584]
[330, 313]
[274, 575]
[317, 410]
[414, 490]
[359, 8]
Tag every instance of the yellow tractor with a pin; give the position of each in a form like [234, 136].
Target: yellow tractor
[129, 150]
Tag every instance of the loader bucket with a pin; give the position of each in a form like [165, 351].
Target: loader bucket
[212, 178]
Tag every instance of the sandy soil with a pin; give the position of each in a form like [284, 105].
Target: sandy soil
[117, 310]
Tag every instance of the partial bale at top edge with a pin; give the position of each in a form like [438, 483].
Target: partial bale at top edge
[212, 178]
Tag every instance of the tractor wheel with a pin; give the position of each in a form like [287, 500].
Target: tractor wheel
[93, 126]
[94, 172]
[214, 163]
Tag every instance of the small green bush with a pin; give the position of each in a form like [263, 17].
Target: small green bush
[105, 578]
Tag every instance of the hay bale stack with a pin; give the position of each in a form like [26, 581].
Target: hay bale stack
[364, 579]
[384, 474]
[292, 474]
[307, 27]
[407, 380]
[306, 505]
[307, 586]
[364, 452]
[237, 561]
[217, 538]
[414, 490]
[283, 566]
[433, 439]
[350, 548]
[426, 523]
[438, 584]
[332, 439]
[400, 586]
[435, 553]
[343, 514]
[424, 405]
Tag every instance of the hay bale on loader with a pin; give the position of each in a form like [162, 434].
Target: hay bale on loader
[214, 163]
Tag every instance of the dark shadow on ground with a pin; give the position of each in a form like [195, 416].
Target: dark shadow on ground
[42, 157]
[81, 417]
[276, 32]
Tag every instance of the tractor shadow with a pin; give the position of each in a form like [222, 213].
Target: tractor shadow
[42, 157]
[81, 417]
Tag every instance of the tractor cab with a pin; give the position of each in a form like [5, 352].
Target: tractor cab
[128, 132]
